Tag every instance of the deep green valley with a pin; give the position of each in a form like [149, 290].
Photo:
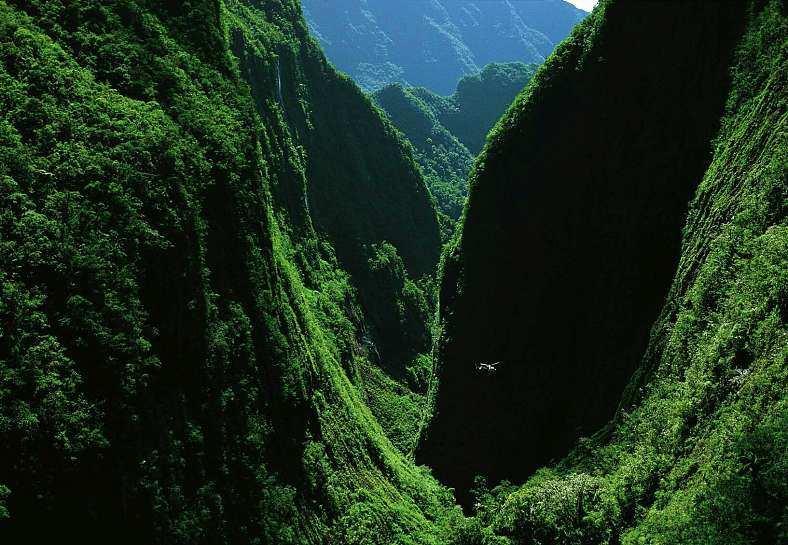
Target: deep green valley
[519, 278]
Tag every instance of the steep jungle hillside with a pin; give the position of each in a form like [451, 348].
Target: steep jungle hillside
[444, 160]
[446, 132]
[698, 451]
[572, 235]
[205, 233]
[434, 43]
[217, 290]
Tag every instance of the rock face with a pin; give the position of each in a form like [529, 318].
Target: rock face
[433, 43]
[572, 235]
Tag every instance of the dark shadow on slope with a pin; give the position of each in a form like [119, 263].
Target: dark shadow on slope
[572, 236]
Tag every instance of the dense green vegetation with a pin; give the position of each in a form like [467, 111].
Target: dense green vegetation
[586, 231]
[479, 101]
[435, 43]
[447, 132]
[444, 160]
[183, 359]
[696, 453]
[217, 291]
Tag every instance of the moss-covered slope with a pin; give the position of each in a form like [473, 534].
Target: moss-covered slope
[571, 234]
[180, 351]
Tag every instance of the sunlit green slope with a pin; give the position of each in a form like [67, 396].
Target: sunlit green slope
[193, 209]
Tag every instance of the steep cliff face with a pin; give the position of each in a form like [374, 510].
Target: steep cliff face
[434, 43]
[697, 453]
[183, 310]
[572, 234]
[359, 185]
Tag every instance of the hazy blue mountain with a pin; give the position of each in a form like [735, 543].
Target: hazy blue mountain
[433, 43]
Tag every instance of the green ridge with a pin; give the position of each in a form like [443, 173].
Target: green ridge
[182, 357]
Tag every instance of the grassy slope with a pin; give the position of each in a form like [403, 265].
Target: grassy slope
[179, 346]
[697, 453]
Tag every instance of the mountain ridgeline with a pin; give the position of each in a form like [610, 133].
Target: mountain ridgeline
[434, 43]
[560, 269]
[448, 132]
[210, 244]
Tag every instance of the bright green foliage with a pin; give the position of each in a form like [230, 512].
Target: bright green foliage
[181, 345]
[393, 374]
[552, 509]
[399, 409]
[698, 452]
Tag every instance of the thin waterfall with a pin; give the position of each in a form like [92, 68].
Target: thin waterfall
[279, 85]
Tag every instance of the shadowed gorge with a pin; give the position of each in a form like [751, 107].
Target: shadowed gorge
[696, 452]
[572, 234]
